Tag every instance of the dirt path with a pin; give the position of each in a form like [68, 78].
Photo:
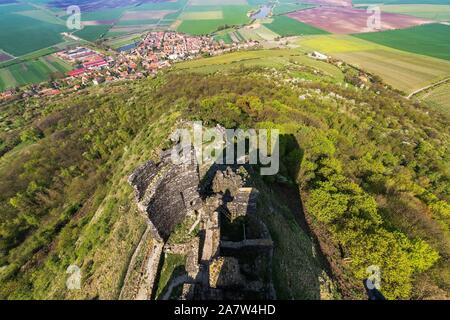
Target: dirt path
[175, 283]
[151, 269]
[427, 87]
[133, 260]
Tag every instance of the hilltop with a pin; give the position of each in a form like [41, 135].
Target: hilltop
[363, 179]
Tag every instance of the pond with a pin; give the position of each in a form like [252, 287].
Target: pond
[262, 13]
[128, 47]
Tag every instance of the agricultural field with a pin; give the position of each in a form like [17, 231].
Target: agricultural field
[32, 71]
[207, 19]
[402, 70]
[437, 97]
[427, 11]
[430, 40]
[258, 32]
[24, 29]
[4, 56]
[93, 33]
[285, 26]
[282, 8]
[350, 20]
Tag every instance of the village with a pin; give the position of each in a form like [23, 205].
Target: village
[156, 51]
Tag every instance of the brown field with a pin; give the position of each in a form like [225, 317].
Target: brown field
[342, 20]
[4, 57]
[144, 15]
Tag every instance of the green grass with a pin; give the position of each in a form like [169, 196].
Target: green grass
[278, 58]
[430, 40]
[92, 33]
[172, 267]
[286, 26]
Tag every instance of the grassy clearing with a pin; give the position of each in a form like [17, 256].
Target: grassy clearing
[265, 58]
[285, 26]
[173, 266]
[430, 40]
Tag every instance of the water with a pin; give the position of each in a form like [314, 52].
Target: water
[262, 13]
[127, 47]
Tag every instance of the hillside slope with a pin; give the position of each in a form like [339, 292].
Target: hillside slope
[370, 168]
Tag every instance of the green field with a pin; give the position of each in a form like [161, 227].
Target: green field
[32, 71]
[430, 40]
[285, 26]
[259, 33]
[427, 11]
[282, 8]
[438, 97]
[225, 37]
[231, 15]
[402, 70]
[137, 22]
[108, 14]
[92, 33]
[23, 29]
[169, 5]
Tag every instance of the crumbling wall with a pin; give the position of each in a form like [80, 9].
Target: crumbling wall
[166, 193]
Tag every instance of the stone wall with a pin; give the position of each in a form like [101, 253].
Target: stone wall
[166, 193]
